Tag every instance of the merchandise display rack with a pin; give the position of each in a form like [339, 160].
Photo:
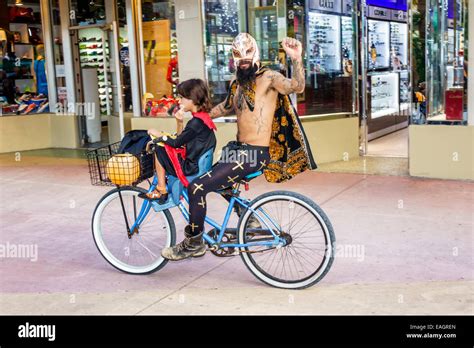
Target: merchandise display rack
[91, 52]
[18, 67]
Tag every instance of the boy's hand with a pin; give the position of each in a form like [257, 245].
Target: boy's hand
[154, 133]
[179, 115]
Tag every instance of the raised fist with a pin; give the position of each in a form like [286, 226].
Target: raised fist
[292, 47]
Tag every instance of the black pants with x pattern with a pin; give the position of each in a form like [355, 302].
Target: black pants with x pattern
[237, 161]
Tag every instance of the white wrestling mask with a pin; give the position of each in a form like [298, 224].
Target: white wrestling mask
[244, 48]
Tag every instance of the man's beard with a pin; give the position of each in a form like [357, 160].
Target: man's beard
[245, 76]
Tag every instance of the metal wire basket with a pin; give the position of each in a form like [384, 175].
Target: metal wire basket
[126, 170]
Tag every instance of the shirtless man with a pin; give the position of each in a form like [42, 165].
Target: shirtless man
[254, 102]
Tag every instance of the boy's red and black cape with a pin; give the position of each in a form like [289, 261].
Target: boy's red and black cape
[173, 153]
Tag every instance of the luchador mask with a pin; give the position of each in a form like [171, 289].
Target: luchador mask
[245, 47]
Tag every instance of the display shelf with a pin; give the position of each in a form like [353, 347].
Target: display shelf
[384, 94]
[89, 42]
[442, 118]
[405, 95]
[28, 34]
[399, 44]
[404, 106]
[347, 40]
[91, 35]
[384, 112]
[378, 44]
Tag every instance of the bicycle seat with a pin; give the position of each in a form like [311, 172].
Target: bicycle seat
[175, 187]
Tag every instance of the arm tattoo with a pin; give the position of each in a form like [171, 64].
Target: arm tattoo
[287, 86]
[219, 111]
[298, 75]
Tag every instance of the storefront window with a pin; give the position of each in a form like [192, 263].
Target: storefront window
[263, 26]
[95, 45]
[23, 86]
[58, 53]
[160, 57]
[327, 38]
[445, 66]
[222, 25]
[329, 51]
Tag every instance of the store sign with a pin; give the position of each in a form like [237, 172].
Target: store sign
[390, 4]
[451, 9]
[62, 95]
[325, 5]
[347, 7]
[379, 13]
[399, 15]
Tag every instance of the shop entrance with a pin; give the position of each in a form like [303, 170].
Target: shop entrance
[99, 82]
[386, 69]
[101, 70]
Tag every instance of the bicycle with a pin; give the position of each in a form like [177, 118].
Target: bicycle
[281, 252]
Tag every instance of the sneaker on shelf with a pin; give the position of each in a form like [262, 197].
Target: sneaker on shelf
[43, 108]
[30, 108]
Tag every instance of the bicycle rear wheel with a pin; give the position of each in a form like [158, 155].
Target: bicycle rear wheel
[140, 254]
[309, 251]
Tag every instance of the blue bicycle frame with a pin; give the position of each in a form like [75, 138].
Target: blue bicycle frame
[260, 213]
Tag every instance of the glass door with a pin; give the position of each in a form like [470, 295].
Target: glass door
[263, 26]
[386, 67]
[99, 88]
[100, 52]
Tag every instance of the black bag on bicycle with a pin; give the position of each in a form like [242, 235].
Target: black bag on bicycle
[134, 142]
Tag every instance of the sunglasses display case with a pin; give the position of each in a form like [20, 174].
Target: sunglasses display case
[388, 97]
[378, 44]
[399, 45]
[328, 39]
[384, 96]
[324, 42]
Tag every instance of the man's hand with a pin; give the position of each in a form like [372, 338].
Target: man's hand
[293, 48]
[296, 84]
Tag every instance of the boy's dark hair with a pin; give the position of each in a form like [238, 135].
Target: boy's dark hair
[197, 91]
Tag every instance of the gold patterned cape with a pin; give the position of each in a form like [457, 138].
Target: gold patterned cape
[290, 153]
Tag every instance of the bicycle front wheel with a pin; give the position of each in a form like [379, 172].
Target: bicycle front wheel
[141, 253]
[308, 253]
